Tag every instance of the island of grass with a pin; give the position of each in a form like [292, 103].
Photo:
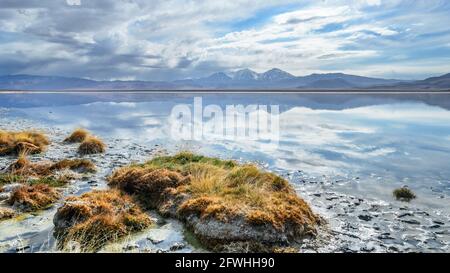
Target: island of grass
[14, 143]
[228, 206]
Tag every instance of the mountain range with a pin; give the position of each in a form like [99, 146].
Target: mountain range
[241, 79]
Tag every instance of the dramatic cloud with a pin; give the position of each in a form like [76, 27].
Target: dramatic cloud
[173, 39]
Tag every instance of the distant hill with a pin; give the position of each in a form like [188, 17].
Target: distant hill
[441, 82]
[241, 79]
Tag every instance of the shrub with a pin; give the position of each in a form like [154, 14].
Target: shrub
[404, 194]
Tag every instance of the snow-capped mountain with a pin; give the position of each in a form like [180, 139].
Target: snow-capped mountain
[275, 74]
[245, 75]
[240, 79]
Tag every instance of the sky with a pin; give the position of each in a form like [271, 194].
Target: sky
[176, 39]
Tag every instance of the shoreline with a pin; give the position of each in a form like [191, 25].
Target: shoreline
[239, 91]
[356, 224]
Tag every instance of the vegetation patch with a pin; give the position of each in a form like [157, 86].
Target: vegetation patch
[77, 136]
[6, 178]
[91, 145]
[40, 181]
[222, 202]
[22, 166]
[404, 194]
[6, 213]
[33, 197]
[97, 217]
[14, 143]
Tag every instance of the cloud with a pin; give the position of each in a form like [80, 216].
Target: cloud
[171, 39]
[73, 2]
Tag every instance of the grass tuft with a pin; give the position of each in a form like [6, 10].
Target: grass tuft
[77, 136]
[33, 197]
[404, 194]
[14, 143]
[97, 217]
[91, 145]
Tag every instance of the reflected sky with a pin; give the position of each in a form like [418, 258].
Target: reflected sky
[379, 139]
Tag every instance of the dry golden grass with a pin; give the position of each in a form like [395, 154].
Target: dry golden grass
[147, 183]
[13, 143]
[98, 217]
[52, 174]
[77, 136]
[92, 145]
[6, 213]
[34, 197]
[78, 165]
[22, 166]
[216, 188]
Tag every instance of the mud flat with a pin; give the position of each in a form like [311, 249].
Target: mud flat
[183, 214]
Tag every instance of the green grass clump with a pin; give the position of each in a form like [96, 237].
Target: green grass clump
[404, 194]
[6, 178]
[178, 161]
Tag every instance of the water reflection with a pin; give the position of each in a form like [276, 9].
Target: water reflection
[393, 138]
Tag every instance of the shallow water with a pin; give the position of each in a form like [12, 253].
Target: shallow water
[349, 146]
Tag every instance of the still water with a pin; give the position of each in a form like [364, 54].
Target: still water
[364, 144]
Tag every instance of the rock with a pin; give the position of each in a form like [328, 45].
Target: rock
[4, 196]
[412, 222]
[11, 187]
[405, 214]
[177, 246]
[385, 236]
[154, 240]
[365, 217]
[130, 247]
[74, 246]
[22, 248]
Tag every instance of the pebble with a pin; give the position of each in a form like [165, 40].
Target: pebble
[130, 247]
[155, 241]
[177, 246]
[412, 222]
[365, 217]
